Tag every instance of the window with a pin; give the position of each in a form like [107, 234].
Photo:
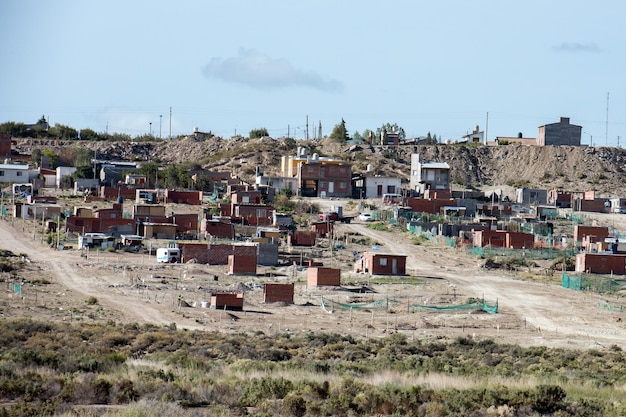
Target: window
[342, 185]
[309, 170]
[382, 262]
[1, 173]
[19, 173]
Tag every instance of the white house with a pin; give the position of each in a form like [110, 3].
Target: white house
[377, 186]
[14, 173]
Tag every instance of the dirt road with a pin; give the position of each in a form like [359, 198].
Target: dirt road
[131, 288]
[564, 316]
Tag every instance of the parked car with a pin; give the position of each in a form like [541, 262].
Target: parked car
[365, 217]
[621, 210]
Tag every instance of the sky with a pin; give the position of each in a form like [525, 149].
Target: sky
[139, 67]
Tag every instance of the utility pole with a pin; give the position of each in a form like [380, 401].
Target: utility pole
[306, 135]
[606, 128]
[486, 127]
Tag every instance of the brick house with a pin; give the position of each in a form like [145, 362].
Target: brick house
[321, 178]
[580, 232]
[503, 239]
[601, 263]
[378, 263]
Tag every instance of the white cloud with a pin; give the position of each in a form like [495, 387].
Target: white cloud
[257, 70]
[577, 47]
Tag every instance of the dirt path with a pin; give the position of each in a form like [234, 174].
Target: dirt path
[530, 313]
[573, 317]
[72, 271]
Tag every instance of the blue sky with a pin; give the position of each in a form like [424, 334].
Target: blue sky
[234, 66]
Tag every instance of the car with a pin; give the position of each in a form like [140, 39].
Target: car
[365, 217]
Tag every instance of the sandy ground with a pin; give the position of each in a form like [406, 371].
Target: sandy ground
[134, 288]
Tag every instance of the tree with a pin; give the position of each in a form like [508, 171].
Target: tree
[430, 139]
[83, 157]
[340, 133]
[357, 136]
[258, 133]
[88, 134]
[149, 169]
[63, 132]
[51, 155]
[17, 130]
[83, 172]
[35, 157]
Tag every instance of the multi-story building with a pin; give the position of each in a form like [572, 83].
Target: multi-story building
[433, 176]
[561, 133]
[318, 176]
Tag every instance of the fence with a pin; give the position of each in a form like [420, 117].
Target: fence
[384, 305]
[602, 285]
[545, 254]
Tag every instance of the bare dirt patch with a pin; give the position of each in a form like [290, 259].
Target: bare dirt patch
[127, 287]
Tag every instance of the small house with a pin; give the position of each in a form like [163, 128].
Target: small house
[379, 263]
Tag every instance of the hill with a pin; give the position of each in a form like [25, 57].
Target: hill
[566, 167]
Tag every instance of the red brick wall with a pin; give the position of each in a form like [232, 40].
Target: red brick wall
[249, 214]
[111, 193]
[218, 254]
[219, 229]
[254, 197]
[595, 206]
[321, 229]
[185, 222]
[323, 276]
[95, 225]
[301, 238]
[582, 231]
[432, 206]
[438, 194]
[489, 238]
[197, 251]
[375, 268]
[214, 254]
[242, 264]
[519, 240]
[184, 197]
[274, 293]
[598, 263]
[230, 301]
[5, 145]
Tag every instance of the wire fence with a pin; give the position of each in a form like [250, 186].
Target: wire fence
[385, 304]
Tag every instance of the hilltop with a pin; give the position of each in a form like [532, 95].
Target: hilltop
[566, 167]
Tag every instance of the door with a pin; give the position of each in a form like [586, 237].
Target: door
[331, 187]
[379, 190]
[394, 266]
